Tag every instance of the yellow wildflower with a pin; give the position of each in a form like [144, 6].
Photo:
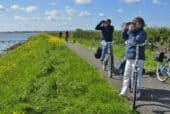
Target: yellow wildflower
[55, 40]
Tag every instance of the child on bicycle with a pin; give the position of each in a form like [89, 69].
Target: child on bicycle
[107, 35]
[134, 34]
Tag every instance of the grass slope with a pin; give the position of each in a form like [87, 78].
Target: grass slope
[42, 77]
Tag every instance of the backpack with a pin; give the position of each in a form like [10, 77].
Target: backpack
[121, 67]
[160, 56]
[98, 53]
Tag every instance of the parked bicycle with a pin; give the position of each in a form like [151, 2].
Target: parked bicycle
[109, 59]
[163, 67]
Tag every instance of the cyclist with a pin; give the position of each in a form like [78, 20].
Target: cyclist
[107, 36]
[134, 34]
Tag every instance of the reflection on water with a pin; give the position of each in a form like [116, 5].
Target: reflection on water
[9, 39]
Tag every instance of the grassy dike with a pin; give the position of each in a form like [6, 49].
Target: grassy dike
[43, 76]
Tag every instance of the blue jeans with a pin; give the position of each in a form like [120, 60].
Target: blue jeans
[104, 49]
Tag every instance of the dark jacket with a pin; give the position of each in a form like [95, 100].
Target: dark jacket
[133, 38]
[107, 32]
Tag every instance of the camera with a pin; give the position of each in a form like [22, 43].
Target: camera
[103, 21]
[128, 23]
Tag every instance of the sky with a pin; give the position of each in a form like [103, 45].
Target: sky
[53, 15]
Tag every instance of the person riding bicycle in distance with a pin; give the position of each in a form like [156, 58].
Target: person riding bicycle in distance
[107, 36]
[134, 34]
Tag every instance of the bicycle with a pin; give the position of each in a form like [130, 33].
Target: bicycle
[108, 60]
[133, 83]
[163, 68]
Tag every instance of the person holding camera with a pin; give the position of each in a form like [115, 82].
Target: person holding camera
[134, 34]
[107, 35]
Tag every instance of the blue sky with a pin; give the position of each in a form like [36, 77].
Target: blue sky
[18, 15]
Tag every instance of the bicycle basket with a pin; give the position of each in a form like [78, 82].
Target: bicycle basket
[160, 56]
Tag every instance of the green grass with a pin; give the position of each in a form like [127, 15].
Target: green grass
[39, 77]
[119, 52]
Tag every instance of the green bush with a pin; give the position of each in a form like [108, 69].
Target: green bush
[158, 36]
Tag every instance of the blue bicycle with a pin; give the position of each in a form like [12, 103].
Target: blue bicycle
[163, 67]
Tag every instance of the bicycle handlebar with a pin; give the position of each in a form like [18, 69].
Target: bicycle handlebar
[143, 44]
[106, 43]
[139, 45]
[110, 42]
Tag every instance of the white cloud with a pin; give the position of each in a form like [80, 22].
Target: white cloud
[17, 8]
[28, 9]
[83, 2]
[132, 1]
[156, 1]
[119, 10]
[35, 18]
[19, 18]
[31, 9]
[52, 12]
[2, 8]
[84, 14]
[101, 14]
[53, 15]
[70, 11]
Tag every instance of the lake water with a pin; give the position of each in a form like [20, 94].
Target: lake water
[9, 39]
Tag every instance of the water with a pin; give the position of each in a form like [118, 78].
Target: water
[9, 39]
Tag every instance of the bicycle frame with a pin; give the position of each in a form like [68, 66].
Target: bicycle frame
[109, 46]
[135, 74]
[135, 77]
[108, 60]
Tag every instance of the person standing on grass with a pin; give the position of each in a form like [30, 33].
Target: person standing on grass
[66, 36]
[107, 36]
[134, 34]
[60, 34]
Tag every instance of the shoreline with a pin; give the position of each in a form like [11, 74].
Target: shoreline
[7, 50]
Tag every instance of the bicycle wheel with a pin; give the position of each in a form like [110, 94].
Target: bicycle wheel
[161, 71]
[110, 66]
[130, 86]
[134, 91]
[105, 63]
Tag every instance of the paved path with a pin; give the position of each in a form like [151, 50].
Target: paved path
[155, 95]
